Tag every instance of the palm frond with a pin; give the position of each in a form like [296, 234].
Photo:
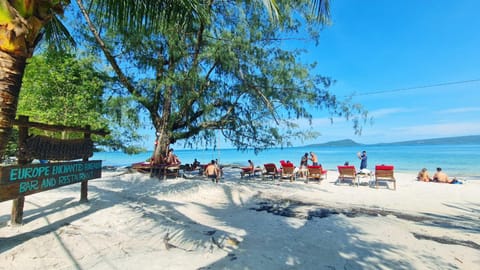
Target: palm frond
[153, 13]
[322, 10]
[57, 35]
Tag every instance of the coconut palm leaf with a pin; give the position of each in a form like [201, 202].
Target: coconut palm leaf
[322, 9]
[57, 35]
[150, 14]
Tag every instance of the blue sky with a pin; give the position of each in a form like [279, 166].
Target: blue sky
[383, 46]
[387, 54]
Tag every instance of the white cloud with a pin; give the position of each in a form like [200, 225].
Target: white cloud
[438, 130]
[461, 110]
[389, 111]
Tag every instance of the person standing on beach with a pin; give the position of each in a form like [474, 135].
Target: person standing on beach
[303, 165]
[314, 159]
[363, 159]
[212, 171]
[219, 168]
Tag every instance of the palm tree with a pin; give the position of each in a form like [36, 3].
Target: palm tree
[23, 23]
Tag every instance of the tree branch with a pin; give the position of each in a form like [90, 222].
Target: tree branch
[111, 59]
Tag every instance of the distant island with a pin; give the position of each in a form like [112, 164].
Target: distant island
[473, 139]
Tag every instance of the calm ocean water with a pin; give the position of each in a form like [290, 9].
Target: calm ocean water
[456, 160]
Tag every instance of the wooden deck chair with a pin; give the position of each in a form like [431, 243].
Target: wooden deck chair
[142, 167]
[347, 173]
[270, 170]
[385, 173]
[316, 173]
[288, 171]
[171, 170]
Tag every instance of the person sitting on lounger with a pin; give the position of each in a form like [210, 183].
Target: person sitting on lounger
[212, 171]
[172, 159]
[250, 169]
[251, 166]
[423, 176]
[195, 164]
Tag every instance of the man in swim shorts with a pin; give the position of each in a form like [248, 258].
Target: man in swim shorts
[212, 171]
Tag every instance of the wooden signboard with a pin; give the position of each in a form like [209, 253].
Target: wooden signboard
[16, 181]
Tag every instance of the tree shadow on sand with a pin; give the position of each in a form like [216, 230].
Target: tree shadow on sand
[247, 245]
[347, 251]
[51, 227]
[283, 236]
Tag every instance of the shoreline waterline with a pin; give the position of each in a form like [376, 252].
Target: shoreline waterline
[459, 161]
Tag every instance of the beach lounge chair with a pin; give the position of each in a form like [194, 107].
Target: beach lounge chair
[270, 170]
[385, 173]
[142, 167]
[246, 171]
[347, 173]
[316, 173]
[288, 171]
[164, 170]
[250, 172]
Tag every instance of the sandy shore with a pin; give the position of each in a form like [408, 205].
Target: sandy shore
[133, 221]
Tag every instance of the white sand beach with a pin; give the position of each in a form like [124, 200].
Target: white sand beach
[133, 221]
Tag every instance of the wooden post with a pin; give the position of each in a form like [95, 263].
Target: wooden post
[84, 184]
[17, 206]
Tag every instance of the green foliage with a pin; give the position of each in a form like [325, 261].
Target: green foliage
[232, 73]
[12, 145]
[59, 88]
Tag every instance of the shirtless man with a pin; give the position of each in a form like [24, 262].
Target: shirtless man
[314, 159]
[212, 171]
[172, 159]
[441, 177]
[250, 169]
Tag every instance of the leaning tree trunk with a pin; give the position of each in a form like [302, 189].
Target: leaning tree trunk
[161, 123]
[161, 148]
[162, 143]
[11, 73]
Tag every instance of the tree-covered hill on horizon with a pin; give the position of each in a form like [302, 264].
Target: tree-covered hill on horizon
[473, 139]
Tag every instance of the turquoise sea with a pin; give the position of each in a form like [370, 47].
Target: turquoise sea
[456, 160]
